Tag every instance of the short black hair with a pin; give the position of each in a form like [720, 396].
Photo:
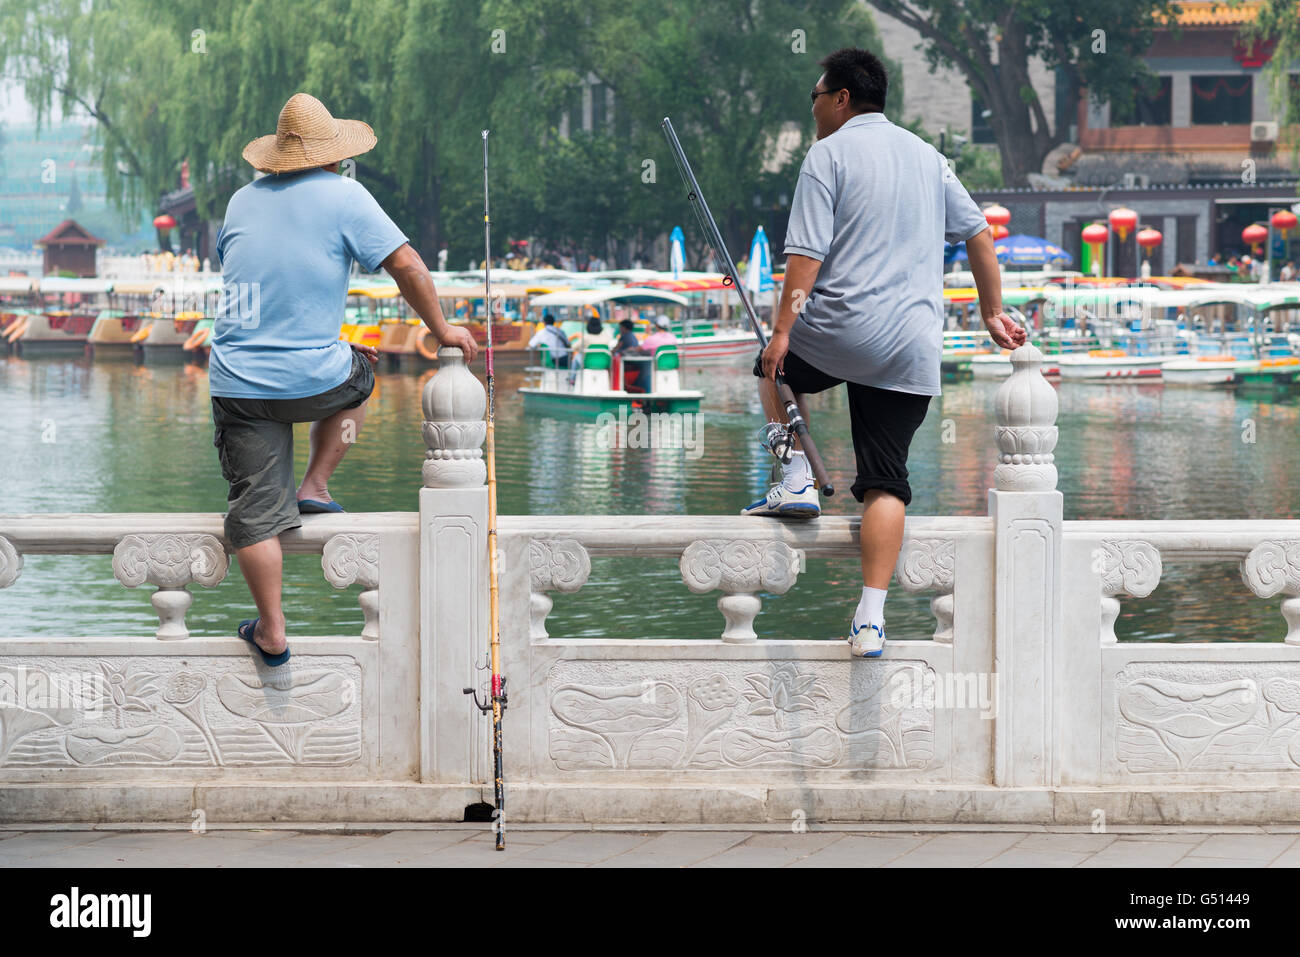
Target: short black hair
[862, 74]
[594, 326]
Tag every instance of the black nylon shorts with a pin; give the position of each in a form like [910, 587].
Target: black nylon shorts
[254, 440]
[883, 422]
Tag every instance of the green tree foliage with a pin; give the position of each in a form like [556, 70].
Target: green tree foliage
[1276, 29]
[1098, 45]
[169, 80]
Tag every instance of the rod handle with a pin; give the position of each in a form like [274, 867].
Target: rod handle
[824, 484]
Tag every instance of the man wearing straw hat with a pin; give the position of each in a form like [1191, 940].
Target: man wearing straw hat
[286, 247]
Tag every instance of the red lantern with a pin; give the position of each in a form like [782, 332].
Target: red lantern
[1284, 220]
[1254, 235]
[1149, 238]
[997, 216]
[164, 222]
[1122, 220]
[1000, 232]
[1094, 235]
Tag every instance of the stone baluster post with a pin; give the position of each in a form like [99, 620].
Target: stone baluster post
[454, 736]
[349, 559]
[11, 563]
[740, 569]
[1273, 568]
[171, 562]
[1027, 513]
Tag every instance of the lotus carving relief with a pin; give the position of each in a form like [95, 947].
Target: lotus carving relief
[150, 744]
[618, 715]
[1187, 717]
[287, 708]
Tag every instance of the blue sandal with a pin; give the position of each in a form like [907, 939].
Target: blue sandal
[309, 506]
[247, 629]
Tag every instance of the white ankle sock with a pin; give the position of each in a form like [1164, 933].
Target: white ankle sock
[796, 473]
[871, 606]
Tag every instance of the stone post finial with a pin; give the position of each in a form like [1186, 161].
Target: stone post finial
[454, 404]
[1025, 405]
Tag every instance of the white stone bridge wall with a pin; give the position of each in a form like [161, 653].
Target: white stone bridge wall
[1018, 706]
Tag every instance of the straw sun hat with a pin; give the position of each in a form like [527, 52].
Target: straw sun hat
[307, 136]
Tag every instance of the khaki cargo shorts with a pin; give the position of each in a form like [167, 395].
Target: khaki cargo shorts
[254, 440]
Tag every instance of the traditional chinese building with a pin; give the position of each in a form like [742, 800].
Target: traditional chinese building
[69, 249]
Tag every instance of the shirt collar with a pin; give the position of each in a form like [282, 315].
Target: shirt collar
[864, 119]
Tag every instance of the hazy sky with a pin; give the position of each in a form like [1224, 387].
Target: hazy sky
[13, 105]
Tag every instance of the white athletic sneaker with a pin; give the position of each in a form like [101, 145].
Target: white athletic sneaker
[786, 502]
[867, 641]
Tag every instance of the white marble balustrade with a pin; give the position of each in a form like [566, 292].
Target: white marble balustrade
[1019, 705]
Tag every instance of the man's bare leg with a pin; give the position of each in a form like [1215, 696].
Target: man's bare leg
[261, 565]
[773, 408]
[881, 536]
[330, 440]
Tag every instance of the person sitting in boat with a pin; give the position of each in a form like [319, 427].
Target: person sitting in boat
[553, 339]
[660, 337]
[594, 334]
[628, 347]
[627, 340]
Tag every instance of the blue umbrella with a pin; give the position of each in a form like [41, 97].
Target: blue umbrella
[677, 252]
[758, 277]
[1019, 250]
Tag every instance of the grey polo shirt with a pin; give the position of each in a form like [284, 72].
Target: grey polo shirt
[875, 204]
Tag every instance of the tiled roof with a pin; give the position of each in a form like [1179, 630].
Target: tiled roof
[982, 194]
[1208, 13]
[1107, 168]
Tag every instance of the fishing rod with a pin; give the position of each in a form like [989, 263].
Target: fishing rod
[497, 702]
[778, 438]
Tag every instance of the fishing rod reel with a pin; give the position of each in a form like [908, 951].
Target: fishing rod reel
[486, 704]
[778, 439]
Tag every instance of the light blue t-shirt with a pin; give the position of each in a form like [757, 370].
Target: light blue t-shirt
[875, 203]
[286, 248]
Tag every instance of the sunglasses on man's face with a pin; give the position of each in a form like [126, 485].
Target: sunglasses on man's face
[817, 93]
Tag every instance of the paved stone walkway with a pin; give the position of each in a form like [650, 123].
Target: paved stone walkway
[469, 845]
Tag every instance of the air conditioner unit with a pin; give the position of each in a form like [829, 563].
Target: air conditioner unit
[1136, 180]
[1263, 132]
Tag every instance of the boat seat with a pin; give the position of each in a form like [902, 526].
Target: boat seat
[597, 356]
[597, 363]
[667, 363]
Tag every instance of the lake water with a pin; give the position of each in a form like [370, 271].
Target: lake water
[114, 436]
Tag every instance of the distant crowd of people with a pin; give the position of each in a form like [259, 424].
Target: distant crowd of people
[1251, 267]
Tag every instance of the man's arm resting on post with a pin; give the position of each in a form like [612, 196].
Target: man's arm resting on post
[1004, 330]
[800, 275]
[416, 285]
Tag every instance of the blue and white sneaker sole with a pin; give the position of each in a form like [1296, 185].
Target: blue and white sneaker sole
[869, 654]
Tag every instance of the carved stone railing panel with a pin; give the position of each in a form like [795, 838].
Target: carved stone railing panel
[930, 565]
[1127, 568]
[1025, 405]
[178, 712]
[171, 562]
[554, 564]
[354, 559]
[11, 563]
[1273, 568]
[454, 403]
[747, 716]
[740, 569]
